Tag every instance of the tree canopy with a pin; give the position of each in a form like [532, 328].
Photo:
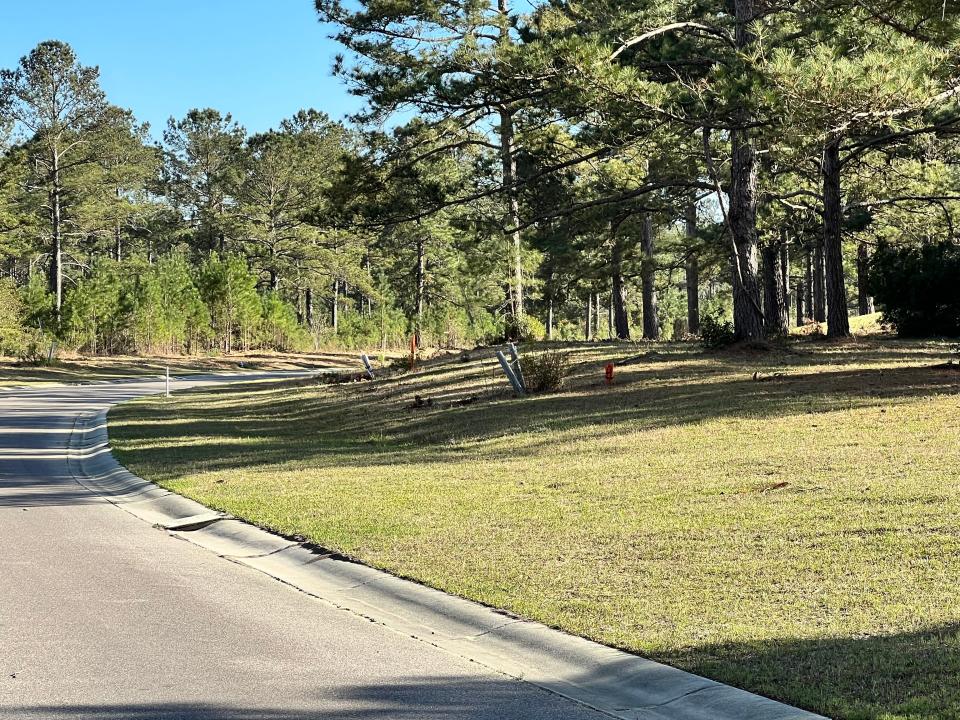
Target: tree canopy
[515, 172]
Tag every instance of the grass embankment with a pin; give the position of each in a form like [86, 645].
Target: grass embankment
[85, 369]
[788, 522]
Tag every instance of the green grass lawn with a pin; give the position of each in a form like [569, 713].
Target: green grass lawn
[785, 521]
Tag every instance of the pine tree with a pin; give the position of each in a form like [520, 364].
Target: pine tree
[203, 155]
[459, 65]
[56, 103]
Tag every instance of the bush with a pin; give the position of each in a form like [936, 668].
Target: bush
[96, 310]
[34, 347]
[525, 329]
[11, 319]
[279, 329]
[229, 290]
[716, 332]
[37, 303]
[167, 313]
[917, 288]
[546, 371]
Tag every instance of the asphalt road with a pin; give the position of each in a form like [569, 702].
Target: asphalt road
[103, 616]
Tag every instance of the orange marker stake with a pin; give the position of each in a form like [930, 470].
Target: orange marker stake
[608, 373]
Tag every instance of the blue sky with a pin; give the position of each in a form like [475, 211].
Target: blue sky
[261, 60]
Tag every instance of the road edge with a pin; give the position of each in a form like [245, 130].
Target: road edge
[610, 681]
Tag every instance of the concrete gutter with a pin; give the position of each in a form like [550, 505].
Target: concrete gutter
[610, 681]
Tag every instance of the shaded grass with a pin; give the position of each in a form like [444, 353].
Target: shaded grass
[785, 521]
[85, 369]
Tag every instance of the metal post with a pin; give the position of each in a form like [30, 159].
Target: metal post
[508, 371]
[515, 366]
[366, 365]
[168, 381]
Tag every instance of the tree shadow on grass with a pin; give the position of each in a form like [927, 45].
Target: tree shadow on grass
[272, 429]
[905, 675]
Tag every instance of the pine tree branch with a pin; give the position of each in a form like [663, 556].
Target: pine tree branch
[693, 26]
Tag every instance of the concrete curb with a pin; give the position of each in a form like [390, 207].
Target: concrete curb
[610, 681]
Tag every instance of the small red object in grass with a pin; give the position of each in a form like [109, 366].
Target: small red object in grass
[608, 373]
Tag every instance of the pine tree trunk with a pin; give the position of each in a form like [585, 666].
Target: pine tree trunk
[747, 314]
[366, 302]
[596, 315]
[838, 321]
[621, 321]
[808, 285]
[774, 301]
[588, 329]
[648, 290]
[335, 306]
[550, 317]
[512, 219]
[801, 290]
[610, 332]
[56, 259]
[785, 270]
[864, 301]
[509, 163]
[117, 243]
[819, 284]
[692, 274]
[308, 307]
[421, 280]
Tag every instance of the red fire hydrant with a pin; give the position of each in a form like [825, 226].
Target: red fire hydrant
[608, 373]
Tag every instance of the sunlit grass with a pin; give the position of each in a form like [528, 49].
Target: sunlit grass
[788, 522]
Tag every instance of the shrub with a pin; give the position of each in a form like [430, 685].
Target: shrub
[167, 313]
[96, 310]
[11, 319]
[525, 329]
[37, 303]
[279, 329]
[917, 288]
[34, 347]
[229, 290]
[716, 332]
[546, 371]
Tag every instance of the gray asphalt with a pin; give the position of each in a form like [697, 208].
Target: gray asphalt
[103, 616]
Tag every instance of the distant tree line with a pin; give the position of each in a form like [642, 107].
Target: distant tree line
[565, 171]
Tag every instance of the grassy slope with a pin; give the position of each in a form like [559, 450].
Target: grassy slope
[796, 534]
[80, 369]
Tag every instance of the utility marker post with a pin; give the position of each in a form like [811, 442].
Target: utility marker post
[367, 365]
[168, 381]
[515, 365]
[508, 371]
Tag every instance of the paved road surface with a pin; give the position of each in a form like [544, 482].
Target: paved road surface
[103, 616]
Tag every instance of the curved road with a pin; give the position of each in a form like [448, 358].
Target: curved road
[103, 616]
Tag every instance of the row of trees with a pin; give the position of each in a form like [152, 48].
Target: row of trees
[568, 170]
[809, 132]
